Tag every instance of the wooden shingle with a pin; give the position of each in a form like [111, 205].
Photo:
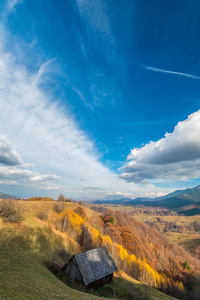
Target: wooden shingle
[95, 264]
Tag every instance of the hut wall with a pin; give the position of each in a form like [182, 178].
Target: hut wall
[73, 272]
[78, 275]
[101, 282]
[71, 269]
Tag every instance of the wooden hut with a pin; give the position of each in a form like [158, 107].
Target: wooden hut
[90, 269]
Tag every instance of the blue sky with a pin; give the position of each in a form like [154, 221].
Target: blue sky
[99, 98]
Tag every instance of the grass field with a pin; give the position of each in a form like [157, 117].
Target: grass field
[181, 220]
[26, 247]
[126, 209]
[187, 241]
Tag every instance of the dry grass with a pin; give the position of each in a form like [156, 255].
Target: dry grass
[10, 211]
[187, 241]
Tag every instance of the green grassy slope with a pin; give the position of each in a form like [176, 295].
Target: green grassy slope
[127, 283]
[22, 270]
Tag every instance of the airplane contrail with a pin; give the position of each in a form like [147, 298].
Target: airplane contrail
[169, 72]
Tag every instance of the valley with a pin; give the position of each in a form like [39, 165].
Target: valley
[180, 229]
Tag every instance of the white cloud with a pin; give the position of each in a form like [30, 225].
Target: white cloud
[174, 157]
[50, 187]
[12, 169]
[122, 195]
[153, 195]
[8, 156]
[44, 177]
[15, 173]
[20, 175]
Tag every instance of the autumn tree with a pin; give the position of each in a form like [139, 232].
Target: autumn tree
[60, 205]
[85, 239]
[130, 242]
[80, 211]
[61, 198]
[107, 216]
[113, 232]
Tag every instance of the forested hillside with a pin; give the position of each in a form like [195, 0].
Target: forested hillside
[144, 253]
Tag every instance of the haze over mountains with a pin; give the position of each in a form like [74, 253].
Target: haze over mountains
[5, 196]
[175, 200]
[187, 201]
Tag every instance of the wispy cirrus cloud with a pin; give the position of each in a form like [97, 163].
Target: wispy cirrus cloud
[169, 72]
[47, 137]
[51, 150]
[43, 131]
[96, 37]
[12, 3]
[96, 20]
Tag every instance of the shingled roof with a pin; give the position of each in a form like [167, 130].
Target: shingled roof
[95, 264]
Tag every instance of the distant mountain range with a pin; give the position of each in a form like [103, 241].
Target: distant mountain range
[185, 201]
[5, 196]
[175, 200]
